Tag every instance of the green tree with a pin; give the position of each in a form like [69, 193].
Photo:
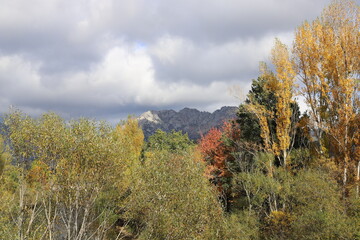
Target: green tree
[248, 121]
[8, 185]
[70, 176]
[316, 206]
[172, 199]
[173, 141]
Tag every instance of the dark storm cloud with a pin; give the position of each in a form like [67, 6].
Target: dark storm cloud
[107, 58]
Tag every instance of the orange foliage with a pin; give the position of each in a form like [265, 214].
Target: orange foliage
[231, 130]
[215, 152]
[212, 151]
[39, 174]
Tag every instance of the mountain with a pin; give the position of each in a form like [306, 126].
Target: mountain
[190, 121]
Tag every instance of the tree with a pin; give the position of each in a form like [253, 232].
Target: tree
[315, 204]
[248, 122]
[8, 187]
[173, 141]
[129, 138]
[2, 156]
[70, 177]
[281, 85]
[212, 150]
[25, 205]
[171, 199]
[267, 111]
[326, 53]
[217, 150]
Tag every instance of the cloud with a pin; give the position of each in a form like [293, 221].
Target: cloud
[179, 59]
[203, 20]
[109, 58]
[125, 77]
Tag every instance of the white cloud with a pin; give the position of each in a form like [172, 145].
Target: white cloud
[124, 76]
[97, 57]
[18, 77]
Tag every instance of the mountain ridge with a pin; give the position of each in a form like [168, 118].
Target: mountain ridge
[188, 120]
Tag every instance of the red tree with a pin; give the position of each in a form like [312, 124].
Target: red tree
[216, 148]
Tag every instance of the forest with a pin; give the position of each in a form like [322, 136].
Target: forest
[271, 173]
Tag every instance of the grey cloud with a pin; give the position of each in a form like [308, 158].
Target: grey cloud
[183, 60]
[213, 21]
[108, 58]
[124, 78]
[71, 35]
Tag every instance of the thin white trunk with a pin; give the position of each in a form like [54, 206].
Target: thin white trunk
[357, 180]
[76, 211]
[20, 220]
[285, 156]
[33, 215]
[83, 223]
[85, 219]
[50, 214]
[344, 181]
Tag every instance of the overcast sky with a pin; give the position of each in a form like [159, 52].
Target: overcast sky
[106, 59]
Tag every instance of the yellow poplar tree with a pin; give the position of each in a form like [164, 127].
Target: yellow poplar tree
[327, 53]
[283, 87]
[282, 84]
[263, 115]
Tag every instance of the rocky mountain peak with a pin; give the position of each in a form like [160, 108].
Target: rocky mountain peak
[191, 121]
[150, 116]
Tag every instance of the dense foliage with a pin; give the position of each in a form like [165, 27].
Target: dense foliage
[268, 174]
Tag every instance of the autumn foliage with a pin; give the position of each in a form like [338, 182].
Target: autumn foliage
[216, 149]
[212, 150]
[269, 174]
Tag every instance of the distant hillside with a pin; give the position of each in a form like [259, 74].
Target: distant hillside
[190, 121]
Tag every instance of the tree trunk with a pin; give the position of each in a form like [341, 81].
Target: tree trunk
[20, 220]
[344, 181]
[284, 156]
[357, 179]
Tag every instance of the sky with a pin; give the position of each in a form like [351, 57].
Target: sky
[106, 59]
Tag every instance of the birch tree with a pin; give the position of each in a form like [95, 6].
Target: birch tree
[70, 175]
